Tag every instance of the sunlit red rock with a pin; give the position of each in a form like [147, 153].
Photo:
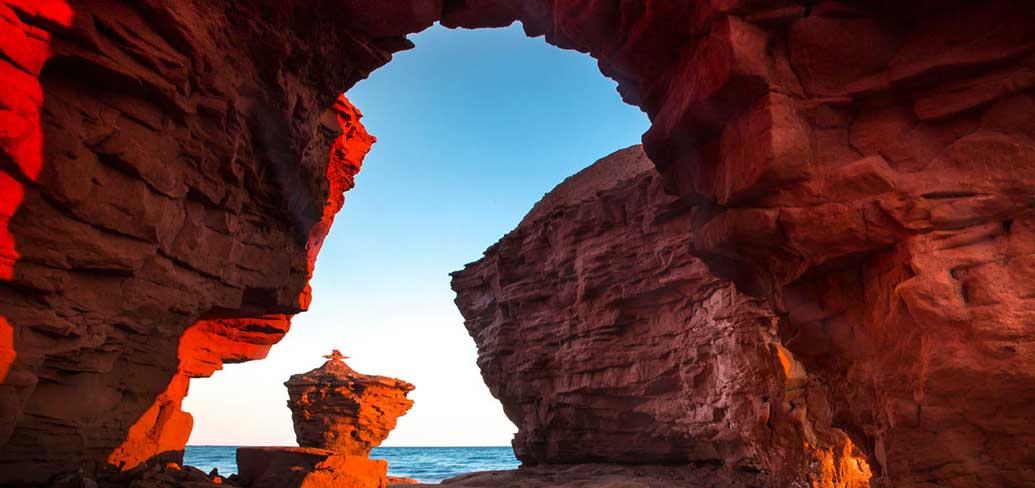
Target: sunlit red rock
[149, 236]
[339, 416]
[335, 408]
[163, 429]
[401, 481]
[307, 467]
[865, 167]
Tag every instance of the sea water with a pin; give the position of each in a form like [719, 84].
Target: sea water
[425, 464]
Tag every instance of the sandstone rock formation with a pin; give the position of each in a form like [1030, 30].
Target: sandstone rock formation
[607, 340]
[168, 170]
[162, 210]
[335, 408]
[308, 467]
[339, 416]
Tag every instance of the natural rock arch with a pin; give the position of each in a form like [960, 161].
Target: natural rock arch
[866, 169]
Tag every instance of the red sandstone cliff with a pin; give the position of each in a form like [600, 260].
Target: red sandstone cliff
[606, 340]
[163, 207]
[865, 167]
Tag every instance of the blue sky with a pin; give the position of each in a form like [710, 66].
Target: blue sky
[473, 128]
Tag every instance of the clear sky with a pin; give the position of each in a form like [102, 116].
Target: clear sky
[473, 128]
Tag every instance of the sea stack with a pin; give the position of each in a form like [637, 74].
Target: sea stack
[339, 416]
[334, 407]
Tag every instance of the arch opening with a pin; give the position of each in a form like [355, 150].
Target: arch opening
[470, 135]
[826, 190]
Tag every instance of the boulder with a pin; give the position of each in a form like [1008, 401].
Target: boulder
[306, 467]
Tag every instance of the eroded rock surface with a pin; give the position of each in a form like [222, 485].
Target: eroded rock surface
[606, 340]
[335, 408]
[163, 204]
[308, 467]
[339, 416]
[863, 167]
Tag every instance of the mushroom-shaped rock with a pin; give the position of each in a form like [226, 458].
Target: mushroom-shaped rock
[339, 416]
[335, 408]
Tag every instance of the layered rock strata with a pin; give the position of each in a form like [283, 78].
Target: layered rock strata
[163, 205]
[339, 416]
[864, 167]
[606, 340]
[335, 408]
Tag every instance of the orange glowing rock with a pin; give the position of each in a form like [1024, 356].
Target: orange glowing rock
[7, 353]
[307, 467]
[163, 429]
[339, 416]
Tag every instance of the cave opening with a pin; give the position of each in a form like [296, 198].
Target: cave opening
[473, 127]
[828, 313]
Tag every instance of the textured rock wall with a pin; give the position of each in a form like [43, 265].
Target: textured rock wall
[863, 166]
[882, 205]
[334, 407]
[308, 467]
[165, 196]
[892, 223]
[339, 416]
[606, 340]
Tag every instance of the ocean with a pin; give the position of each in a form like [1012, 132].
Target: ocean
[425, 464]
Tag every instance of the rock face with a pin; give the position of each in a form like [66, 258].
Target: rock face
[606, 340]
[339, 416]
[161, 214]
[335, 408]
[168, 170]
[307, 467]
